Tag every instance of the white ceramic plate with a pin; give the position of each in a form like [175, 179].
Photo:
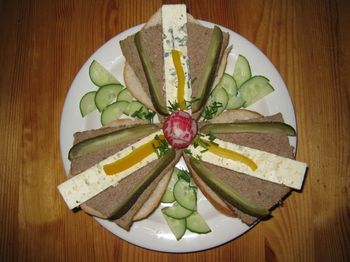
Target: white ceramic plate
[153, 233]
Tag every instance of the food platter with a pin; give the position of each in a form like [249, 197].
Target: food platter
[153, 232]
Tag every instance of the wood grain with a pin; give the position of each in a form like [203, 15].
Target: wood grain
[43, 45]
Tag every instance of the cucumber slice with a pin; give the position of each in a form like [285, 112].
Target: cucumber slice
[196, 223]
[185, 195]
[235, 102]
[177, 211]
[254, 89]
[177, 226]
[100, 76]
[87, 103]
[124, 95]
[134, 106]
[220, 97]
[113, 112]
[106, 95]
[168, 196]
[242, 70]
[229, 84]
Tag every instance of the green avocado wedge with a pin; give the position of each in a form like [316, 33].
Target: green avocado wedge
[154, 89]
[111, 139]
[135, 193]
[256, 127]
[207, 76]
[226, 192]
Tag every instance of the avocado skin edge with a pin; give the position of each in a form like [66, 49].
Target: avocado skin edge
[132, 197]
[226, 193]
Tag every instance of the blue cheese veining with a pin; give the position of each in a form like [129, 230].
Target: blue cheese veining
[174, 19]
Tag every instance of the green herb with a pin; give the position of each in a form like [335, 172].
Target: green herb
[173, 106]
[198, 157]
[197, 141]
[211, 138]
[211, 110]
[185, 175]
[188, 152]
[144, 114]
[162, 148]
[189, 103]
[204, 150]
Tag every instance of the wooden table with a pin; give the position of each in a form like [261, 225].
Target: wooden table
[43, 45]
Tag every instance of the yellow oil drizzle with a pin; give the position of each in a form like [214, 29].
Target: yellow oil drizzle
[133, 158]
[176, 55]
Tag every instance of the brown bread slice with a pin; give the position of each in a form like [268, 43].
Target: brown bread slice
[264, 193]
[198, 45]
[103, 204]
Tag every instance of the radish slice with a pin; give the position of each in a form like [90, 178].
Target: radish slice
[179, 129]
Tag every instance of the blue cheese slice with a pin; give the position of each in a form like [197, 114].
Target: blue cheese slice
[270, 167]
[174, 19]
[93, 181]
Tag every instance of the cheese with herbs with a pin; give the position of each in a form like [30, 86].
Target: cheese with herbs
[92, 181]
[174, 19]
[270, 167]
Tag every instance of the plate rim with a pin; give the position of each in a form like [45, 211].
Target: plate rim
[187, 247]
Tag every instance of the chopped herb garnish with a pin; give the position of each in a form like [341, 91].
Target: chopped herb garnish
[185, 175]
[173, 106]
[211, 110]
[188, 152]
[204, 150]
[198, 157]
[212, 137]
[145, 114]
[189, 103]
[162, 146]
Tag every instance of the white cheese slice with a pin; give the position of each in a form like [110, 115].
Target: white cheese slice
[174, 19]
[270, 167]
[94, 180]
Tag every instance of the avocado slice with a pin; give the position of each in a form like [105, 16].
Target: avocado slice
[154, 89]
[256, 127]
[134, 194]
[227, 193]
[207, 76]
[111, 139]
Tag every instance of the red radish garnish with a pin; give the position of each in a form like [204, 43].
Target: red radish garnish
[179, 129]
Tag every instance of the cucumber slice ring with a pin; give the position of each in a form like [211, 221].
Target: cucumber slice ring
[254, 89]
[106, 95]
[100, 76]
[177, 211]
[87, 103]
[177, 226]
[185, 195]
[113, 112]
[196, 224]
[242, 71]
